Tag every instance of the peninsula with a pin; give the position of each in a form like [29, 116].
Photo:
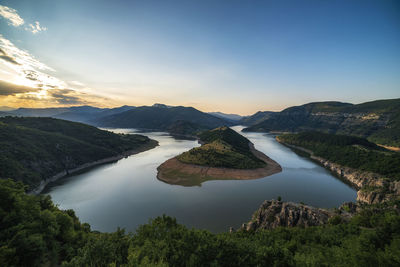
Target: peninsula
[223, 155]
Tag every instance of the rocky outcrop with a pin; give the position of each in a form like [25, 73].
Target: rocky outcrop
[274, 213]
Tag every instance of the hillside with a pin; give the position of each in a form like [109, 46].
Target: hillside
[231, 117]
[378, 121]
[34, 149]
[186, 129]
[256, 118]
[349, 151]
[35, 232]
[223, 148]
[159, 117]
[372, 170]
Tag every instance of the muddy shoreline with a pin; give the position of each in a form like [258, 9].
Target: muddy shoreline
[173, 171]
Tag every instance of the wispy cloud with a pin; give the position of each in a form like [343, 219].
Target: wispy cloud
[35, 28]
[11, 15]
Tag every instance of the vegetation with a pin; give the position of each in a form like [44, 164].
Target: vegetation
[378, 121]
[34, 232]
[185, 128]
[34, 149]
[223, 147]
[348, 151]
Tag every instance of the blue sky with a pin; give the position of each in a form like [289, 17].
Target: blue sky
[230, 56]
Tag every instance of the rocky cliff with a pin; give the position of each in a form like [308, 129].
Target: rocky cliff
[275, 213]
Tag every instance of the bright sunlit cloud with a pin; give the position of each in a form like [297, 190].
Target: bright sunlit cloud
[11, 15]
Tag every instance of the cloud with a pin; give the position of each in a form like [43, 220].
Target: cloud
[11, 15]
[77, 83]
[15, 20]
[29, 69]
[35, 28]
[4, 56]
[66, 96]
[7, 88]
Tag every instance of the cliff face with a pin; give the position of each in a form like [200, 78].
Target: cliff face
[372, 188]
[274, 213]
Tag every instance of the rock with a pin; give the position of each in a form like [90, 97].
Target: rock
[274, 213]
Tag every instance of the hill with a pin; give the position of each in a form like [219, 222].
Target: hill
[349, 151]
[231, 117]
[159, 117]
[185, 129]
[378, 121]
[76, 113]
[256, 118]
[35, 149]
[223, 148]
[224, 154]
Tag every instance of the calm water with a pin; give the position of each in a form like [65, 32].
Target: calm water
[127, 193]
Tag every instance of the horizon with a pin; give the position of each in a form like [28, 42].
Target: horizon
[217, 56]
[7, 108]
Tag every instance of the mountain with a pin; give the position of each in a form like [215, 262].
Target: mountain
[5, 108]
[231, 117]
[159, 117]
[77, 113]
[87, 113]
[378, 121]
[3, 114]
[256, 118]
[35, 149]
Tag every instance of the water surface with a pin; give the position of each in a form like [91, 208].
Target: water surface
[127, 193]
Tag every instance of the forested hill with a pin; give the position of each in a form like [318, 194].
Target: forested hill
[34, 149]
[379, 121]
[223, 147]
[349, 151]
[160, 117]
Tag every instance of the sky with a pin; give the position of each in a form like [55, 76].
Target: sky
[229, 56]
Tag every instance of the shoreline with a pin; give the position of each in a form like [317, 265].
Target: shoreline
[43, 184]
[371, 187]
[173, 171]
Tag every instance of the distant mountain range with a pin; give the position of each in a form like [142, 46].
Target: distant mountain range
[379, 121]
[78, 114]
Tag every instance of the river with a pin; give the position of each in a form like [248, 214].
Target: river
[127, 193]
